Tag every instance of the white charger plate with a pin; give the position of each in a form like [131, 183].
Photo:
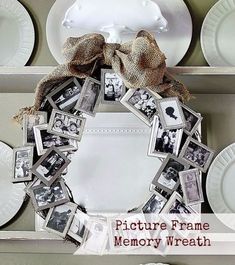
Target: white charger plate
[11, 195]
[220, 185]
[17, 34]
[217, 34]
[173, 43]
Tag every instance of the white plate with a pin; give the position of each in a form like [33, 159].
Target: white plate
[11, 195]
[17, 34]
[220, 185]
[173, 43]
[111, 171]
[217, 34]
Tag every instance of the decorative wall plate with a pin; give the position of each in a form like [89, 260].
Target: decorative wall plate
[217, 34]
[16, 47]
[12, 195]
[174, 43]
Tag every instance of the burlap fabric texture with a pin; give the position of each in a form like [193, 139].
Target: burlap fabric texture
[140, 63]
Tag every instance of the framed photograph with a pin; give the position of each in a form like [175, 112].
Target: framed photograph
[191, 186]
[44, 140]
[154, 204]
[66, 125]
[142, 103]
[171, 113]
[22, 163]
[196, 154]
[29, 121]
[33, 183]
[167, 177]
[78, 229]
[50, 166]
[90, 97]
[66, 95]
[164, 142]
[44, 197]
[59, 218]
[192, 119]
[112, 87]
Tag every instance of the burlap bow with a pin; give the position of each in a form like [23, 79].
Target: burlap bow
[140, 63]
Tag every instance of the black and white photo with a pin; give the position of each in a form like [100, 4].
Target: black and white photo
[22, 163]
[44, 140]
[171, 113]
[192, 120]
[197, 154]
[90, 97]
[167, 177]
[191, 186]
[112, 86]
[164, 142]
[59, 218]
[142, 103]
[50, 166]
[29, 121]
[155, 204]
[66, 95]
[78, 229]
[44, 197]
[66, 125]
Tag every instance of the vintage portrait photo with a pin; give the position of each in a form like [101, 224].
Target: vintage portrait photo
[90, 97]
[155, 203]
[22, 163]
[66, 125]
[50, 166]
[29, 121]
[197, 154]
[171, 114]
[142, 103]
[192, 119]
[44, 197]
[164, 142]
[78, 229]
[59, 218]
[66, 95]
[44, 140]
[112, 86]
[167, 177]
[191, 186]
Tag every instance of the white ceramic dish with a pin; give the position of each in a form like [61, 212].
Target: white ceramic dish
[217, 34]
[173, 43]
[11, 195]
[16, 47]
[220, 185]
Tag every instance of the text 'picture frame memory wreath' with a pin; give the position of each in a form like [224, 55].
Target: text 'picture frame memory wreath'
[133, 74]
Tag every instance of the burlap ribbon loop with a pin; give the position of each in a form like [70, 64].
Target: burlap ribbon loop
[140, 63]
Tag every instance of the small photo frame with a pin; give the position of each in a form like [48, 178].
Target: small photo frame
[154, 204]
[171, 113]
[44, 197]
[196, 154]
[167, 177]
[33, 183]
[50, 166]
[59, 218]
[44, 140]
[90, 97]
[22, 163]
[78, 229]
[192, 119]
[164, 142]
[65, 96]
[66, 125]
[142, 103]
[112, 87]
[29, 121]
[191, 186]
